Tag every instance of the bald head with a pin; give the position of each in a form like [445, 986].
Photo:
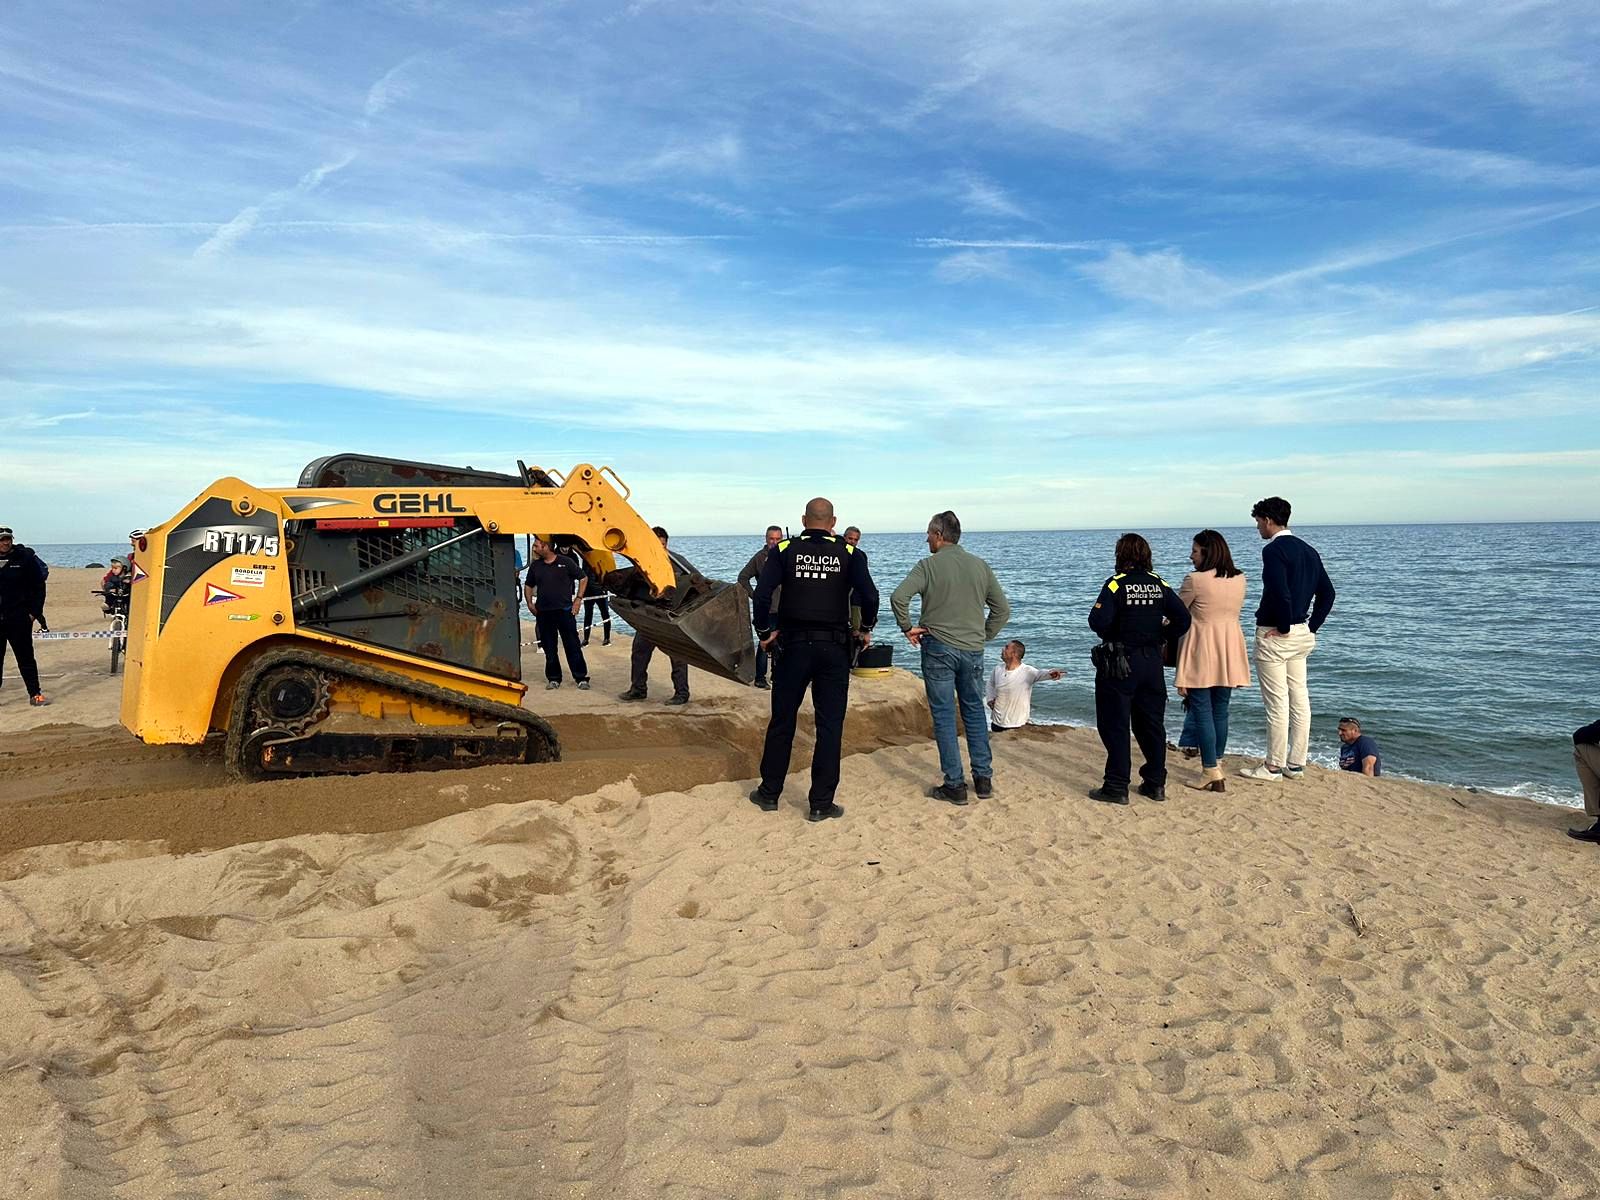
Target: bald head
[819, 514]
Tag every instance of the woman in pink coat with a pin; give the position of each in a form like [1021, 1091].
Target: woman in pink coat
[1212, 659]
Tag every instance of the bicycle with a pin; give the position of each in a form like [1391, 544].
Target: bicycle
[119, 631]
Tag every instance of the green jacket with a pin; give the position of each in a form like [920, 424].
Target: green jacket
[956, 588]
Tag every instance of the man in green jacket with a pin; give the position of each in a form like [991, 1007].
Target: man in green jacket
[962, 608]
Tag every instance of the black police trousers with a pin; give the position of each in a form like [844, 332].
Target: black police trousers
[1140, 701]
[822, 664]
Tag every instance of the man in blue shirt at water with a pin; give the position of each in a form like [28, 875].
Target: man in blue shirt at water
[1296, 598]
[1357, 751]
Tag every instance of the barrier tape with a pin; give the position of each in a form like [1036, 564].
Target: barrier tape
[89, 633]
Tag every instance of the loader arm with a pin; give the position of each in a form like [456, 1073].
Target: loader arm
[589, 505]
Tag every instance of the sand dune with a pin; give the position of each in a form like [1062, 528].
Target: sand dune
[615, 977]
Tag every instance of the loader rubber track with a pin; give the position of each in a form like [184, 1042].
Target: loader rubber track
[244, 726]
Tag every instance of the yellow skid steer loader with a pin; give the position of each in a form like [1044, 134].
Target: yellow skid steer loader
[367, 620]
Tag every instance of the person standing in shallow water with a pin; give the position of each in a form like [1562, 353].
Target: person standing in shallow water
[1133, 615]
[1212, 658]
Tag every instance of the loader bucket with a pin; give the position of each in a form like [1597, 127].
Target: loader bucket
[706, 624]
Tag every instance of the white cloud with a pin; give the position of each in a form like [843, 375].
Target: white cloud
[986, 198]
[1161, 277]
[229, 235]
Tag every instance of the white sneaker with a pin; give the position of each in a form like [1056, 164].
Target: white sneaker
[583, 685]
[1262, 773]
[1294, 774]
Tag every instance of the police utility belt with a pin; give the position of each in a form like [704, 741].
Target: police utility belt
[1110, 659]
[838, 637]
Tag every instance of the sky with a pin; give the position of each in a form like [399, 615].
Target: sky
[1051, 265]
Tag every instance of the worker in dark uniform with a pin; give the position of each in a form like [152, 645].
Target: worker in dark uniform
[811, 638]
[1135, 612]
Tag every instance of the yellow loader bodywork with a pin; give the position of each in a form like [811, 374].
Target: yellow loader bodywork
[251, 589]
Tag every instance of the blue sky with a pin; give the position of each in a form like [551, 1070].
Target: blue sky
[1048, 264]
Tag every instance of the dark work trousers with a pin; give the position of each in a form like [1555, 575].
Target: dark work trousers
[17, 632]
[605, 615]
[643, 649]
[558, 624]
[824, 667]
[1140, 701]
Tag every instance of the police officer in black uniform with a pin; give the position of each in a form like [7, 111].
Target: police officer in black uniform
[1135, 612]
[814, 644]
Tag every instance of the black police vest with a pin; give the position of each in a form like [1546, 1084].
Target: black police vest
[1140, 598]
[816, 583]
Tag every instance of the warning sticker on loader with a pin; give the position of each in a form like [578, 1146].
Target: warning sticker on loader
[248, 577]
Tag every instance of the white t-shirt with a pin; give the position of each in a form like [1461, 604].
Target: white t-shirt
[1011, 694]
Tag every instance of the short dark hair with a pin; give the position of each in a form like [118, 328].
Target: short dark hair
[1215, 555]
[1133, 553]
[946, 524]
[659, 532]
[1021, 648]
[770, 529]
[1274, 509]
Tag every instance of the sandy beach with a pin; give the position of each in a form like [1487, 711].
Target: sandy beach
[613, 976]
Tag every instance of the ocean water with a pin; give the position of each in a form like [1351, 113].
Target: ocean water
[1469, 651]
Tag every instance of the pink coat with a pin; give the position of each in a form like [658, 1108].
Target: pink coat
[1212, 653]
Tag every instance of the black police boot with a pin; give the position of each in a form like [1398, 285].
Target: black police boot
[764, 800]
[1153, 791]
[632, 694]
[1109, 796]
[678, 699]
[983, 785]
[762, 684]
[1591, 834]
[955, 795]
[585, 637]
[823, 814]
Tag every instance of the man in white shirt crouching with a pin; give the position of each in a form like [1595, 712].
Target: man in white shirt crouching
[1010, 691]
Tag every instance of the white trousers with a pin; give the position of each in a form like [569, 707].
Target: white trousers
[1281, 668]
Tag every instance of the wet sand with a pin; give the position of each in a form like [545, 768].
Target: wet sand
[613, 976]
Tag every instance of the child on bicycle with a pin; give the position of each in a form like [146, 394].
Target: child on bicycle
[117, 586]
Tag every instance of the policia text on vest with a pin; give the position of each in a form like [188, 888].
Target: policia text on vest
[818, 572]
[1135, 612]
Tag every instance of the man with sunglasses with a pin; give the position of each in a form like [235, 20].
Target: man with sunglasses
[22, 577]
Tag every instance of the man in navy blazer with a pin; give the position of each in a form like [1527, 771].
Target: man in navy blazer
[1296, 597]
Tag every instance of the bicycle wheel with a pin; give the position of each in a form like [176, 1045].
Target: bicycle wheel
[118, 642]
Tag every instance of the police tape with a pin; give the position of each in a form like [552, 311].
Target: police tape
[82, 633]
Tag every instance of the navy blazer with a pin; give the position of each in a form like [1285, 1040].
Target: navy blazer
[1295, 588]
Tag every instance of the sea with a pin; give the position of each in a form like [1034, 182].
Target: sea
[1470, 652]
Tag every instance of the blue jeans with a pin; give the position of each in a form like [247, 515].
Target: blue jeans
[1209, 709]
[952, 677]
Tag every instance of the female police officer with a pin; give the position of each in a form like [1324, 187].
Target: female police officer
[1135, 612]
